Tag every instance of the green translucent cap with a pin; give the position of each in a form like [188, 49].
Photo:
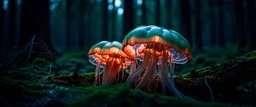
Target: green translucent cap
[151, 33]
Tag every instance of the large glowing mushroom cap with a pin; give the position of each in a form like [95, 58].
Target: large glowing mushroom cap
[151, 33]
[103, 50]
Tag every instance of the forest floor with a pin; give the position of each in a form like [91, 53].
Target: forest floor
[228, 73]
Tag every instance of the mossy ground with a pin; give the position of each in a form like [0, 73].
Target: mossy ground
[28, 93]
[33, 85]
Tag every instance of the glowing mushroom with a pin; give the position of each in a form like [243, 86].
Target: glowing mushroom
[156, 46]
[108, 55]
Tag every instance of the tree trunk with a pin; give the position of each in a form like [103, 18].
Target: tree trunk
[176, 15]
[17, 22]
[251, 24]
[28, 20]
[105, 20]
[43, 21]
[220, 35]
[157, 10]
[193, 34]
[211, 26]
[6, 25]
[88, 25]
[12, 19]
[68, 25]
[240, 30]
[198, 26]
[74, 24]
[35, 21]
[228, 11]
[81, 24]
[185, 20]
[128, 16]
[213, 22]
[169, 22]
[206, 23]
[144, 12]
[113, 36]
[1, 20]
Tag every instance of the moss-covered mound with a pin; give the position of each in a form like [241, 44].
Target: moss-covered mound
[224, 78]
[27, 93]
[71, 80]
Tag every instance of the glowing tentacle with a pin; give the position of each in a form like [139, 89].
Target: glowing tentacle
[97, 74]
[149, 71]
[110, 72]
[139, 70]
[132, 68]
[164, 77]
[152, 78]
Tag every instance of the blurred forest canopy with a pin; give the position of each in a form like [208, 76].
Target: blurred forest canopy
[78, 24]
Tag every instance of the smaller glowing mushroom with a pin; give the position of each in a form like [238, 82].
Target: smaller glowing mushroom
[108, 55]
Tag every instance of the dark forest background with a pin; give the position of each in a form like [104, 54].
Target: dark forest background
[78, 24]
